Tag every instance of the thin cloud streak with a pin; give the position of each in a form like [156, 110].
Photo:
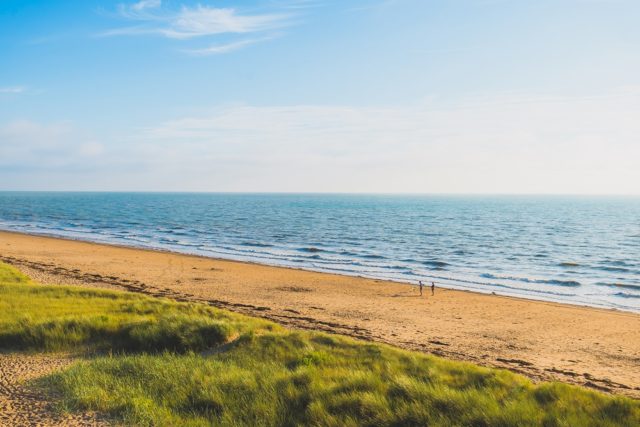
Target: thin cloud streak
[206, 23]
[218, 49]
[146, 4]
[200, 21]
[13, 89]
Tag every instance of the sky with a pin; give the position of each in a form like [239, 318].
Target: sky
[373, 96]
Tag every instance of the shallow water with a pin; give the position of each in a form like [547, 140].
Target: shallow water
[570, 249]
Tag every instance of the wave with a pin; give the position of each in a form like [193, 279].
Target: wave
[373, 256]
[569, 264]
[619, 285]
[280, 236]
[613, 269]
[567, 283]
[257, 244]
[348, 253]
[435, 263]
[167, 240]
[618, 263]
[398, 267]
[179, 232]
[626, 295]
[310, 250]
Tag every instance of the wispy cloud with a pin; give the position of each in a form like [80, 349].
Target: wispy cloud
[217, 49]
[509, 143]
[146, 4]
[200, 21]
[378, 6]
[13, 89]
[186, 23]
[506, 143]
[29, 145]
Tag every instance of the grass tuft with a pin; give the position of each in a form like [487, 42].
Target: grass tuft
[34, 317]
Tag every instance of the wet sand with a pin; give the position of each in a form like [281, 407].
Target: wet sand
[596, 348]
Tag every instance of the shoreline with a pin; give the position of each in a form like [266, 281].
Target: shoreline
[443, 286]
[595, 347]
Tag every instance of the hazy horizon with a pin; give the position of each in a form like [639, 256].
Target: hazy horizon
[330, 193]
[468, 97]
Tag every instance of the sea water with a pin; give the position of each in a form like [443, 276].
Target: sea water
[577, 250]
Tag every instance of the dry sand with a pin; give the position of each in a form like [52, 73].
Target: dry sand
[21, 404]
[546, 341]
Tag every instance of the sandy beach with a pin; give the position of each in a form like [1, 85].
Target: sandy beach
[592, 347]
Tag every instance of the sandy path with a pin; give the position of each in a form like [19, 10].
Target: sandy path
[592, 347]
[21, 405]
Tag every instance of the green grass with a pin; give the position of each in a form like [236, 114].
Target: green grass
[35, 317]
[253, 372]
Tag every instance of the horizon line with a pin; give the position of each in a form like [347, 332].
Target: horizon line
[347, 193]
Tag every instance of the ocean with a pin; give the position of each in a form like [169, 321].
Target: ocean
[576, 250]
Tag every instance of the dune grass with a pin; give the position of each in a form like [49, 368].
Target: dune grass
[168, 366]
[35, 317]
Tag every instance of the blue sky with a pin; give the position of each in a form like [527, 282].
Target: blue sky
[455, 96]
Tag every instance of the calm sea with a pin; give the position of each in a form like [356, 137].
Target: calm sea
[571, 249]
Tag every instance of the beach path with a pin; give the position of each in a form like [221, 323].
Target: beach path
[24, 405]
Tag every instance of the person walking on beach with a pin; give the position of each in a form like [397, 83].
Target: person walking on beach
[421, 286]
[433, 289]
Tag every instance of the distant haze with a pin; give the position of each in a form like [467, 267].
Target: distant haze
[385, 96]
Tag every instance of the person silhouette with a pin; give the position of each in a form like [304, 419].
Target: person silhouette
[433, 289]
[421, 285]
